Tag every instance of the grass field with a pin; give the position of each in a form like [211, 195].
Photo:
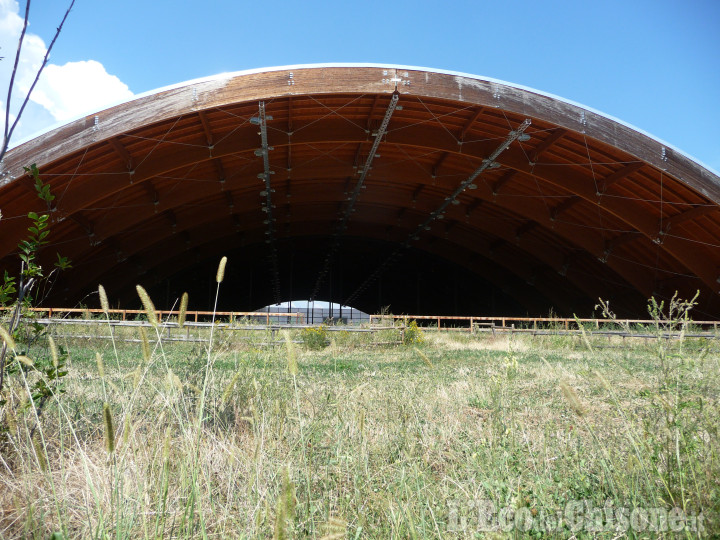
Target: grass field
[457, 436]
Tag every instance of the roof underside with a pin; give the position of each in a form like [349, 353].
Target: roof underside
[155, 190]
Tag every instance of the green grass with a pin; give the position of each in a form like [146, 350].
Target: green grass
[365, 441]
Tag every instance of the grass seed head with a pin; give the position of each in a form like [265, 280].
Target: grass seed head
[25, 360]
[7, 338]
[11, 420]
[137, 376]
[285, 507]
[288, 493]
[104, 304]
[148, 305]
[291, 354]
[335, 529]
[127, 428]
[166, 444]
[602, 379]
[174, 381]
[109, 429]
[572, 398]
[221, 270]
[100, 365]
[230, 387]
[585, 338]
[40, 454]
[53, 352]
[183, 310]
[145, 345]
[425, 357]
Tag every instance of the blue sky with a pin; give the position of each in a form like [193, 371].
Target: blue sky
[654, 64]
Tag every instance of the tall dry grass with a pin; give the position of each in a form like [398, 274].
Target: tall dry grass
[234, 441]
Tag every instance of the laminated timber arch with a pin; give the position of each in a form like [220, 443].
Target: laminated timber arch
[357, 159]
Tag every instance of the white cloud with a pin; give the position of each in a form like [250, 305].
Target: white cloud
[62, 93]
[10, 21]
[78, 87]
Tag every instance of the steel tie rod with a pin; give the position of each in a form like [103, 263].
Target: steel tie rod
[487, 163]
[350, 207]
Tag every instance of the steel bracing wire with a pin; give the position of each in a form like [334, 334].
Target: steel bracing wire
[350, 207]
[439, 212]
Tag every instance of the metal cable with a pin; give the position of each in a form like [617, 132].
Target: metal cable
[438, 213]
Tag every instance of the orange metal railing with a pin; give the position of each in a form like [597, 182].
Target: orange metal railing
[124, 313]
[469, 323]
[444, 322]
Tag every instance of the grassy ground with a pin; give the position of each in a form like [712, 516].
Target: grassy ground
[453, 437]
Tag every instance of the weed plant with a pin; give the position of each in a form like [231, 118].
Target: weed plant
[412, 335]
[315, 338]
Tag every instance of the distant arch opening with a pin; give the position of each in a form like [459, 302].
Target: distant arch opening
[319, 311]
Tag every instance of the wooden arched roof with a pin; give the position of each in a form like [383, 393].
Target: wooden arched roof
[373, 171]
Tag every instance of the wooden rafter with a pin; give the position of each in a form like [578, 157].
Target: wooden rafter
[290, 116]
[416, 193]
[84, 223]
[358, 155]
[219, 170]
[470, 123]
[152, 194]
[621, 240]
[113, 245]
[564, 206]
[688, 215]
[206, 128]
[471, 207]
[229, 200]
[171, 218]
[525, 228]
[504, 179]
[370, 117]
[121, 151]
[546, 143]
[618, 175]
[439, 163]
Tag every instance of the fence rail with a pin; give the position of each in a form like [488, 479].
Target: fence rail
[192, 331]
[559, 325]
[445, 321]
[163, 314]
[466, 322]
[277, 320]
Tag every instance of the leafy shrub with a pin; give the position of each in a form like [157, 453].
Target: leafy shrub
[315, 338]
[413, 334]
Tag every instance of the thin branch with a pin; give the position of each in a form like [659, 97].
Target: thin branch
[8, 135]
[12, 80]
